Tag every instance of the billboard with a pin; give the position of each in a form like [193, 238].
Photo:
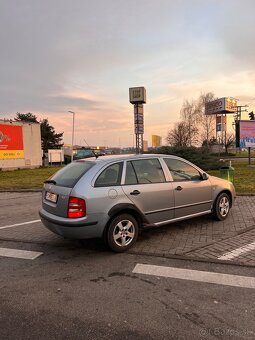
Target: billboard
[11, 142]
[56, 155]
[245, 133]
[137, 95]
[222, 105]
[221, 122]
[138, 119]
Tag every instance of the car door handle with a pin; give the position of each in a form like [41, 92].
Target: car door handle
[135, 192]
[179, 188]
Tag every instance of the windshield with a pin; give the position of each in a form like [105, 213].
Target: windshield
[70, 174]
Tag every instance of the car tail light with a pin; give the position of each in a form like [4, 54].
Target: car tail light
[76, 207]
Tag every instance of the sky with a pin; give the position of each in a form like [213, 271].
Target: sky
[83, 56]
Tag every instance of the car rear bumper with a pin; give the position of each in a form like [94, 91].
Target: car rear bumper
[79, 228]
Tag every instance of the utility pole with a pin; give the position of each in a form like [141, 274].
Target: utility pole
[73, 113]
[238, 116]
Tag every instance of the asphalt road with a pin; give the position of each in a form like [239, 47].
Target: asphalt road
[83, 291]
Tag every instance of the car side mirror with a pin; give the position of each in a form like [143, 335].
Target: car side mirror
[204, 176]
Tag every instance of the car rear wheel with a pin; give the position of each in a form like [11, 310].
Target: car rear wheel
[122, 233]
[221, 207]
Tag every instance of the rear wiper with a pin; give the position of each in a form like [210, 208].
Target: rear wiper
[50, 181]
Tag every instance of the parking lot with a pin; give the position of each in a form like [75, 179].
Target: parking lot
[229, 241]
[167, 286]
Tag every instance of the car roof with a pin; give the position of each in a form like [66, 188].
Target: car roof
[110, 158]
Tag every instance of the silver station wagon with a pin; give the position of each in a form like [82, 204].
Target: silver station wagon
[114, 196]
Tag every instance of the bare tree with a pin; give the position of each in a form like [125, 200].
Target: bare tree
[181, 134]
[206, 122]
[189, 115]
[195, 127]
[229, 141]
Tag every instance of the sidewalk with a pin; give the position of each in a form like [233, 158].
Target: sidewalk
[203, 237]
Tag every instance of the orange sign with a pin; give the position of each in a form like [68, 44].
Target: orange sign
[221, 119]
[11, 142]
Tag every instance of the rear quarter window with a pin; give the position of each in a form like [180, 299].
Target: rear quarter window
[111, 176]
[70, 174]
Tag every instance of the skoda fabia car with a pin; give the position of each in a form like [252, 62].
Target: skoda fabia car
[114, 196]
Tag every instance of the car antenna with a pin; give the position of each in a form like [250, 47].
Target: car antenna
[91, 149]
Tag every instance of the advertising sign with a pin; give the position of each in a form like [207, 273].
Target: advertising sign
[56, 155]
[221, 119]
[139, 129]
[222, 105]
[221, 122]
[246, 134]
[138, 119]
[11, 142]
[137, 95]
[220, 127]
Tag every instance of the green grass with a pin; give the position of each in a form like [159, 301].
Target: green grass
[25, 178]
[244, 177]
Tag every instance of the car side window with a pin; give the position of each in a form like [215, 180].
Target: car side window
[144, 171]
[110, 176]
[182, 171]
[130, 174]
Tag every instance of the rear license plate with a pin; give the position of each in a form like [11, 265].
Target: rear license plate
[50, 196]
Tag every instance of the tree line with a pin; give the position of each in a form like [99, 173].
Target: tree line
[195, 128]
[49, 138]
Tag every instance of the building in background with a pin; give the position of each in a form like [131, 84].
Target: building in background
[20, 145]
[156, 141]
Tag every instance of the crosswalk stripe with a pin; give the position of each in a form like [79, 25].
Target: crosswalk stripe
[238, 251]
[18, 224]
[196, 275]
[20, 254]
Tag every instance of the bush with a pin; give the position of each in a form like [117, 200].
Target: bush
[197, 156]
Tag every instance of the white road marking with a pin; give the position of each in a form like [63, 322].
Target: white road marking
[18, 224]
[239, 251]
[196, 275]
[20, 254]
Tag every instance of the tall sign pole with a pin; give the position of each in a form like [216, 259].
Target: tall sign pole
[137, 97]
[221, 107]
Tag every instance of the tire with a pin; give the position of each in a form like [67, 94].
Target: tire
[221, 207]
[122, 233]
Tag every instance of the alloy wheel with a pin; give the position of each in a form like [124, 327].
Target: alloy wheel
[124, 233]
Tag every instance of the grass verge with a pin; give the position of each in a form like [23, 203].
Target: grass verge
[244, 178]
[25, 178]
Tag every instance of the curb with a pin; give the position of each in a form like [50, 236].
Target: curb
[192, 259]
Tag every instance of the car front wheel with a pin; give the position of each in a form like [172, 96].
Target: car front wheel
[221, 207]
[122, 233]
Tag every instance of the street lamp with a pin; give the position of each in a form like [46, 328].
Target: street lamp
[73, 113]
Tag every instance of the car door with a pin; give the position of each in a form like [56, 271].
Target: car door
[192, 193]
[146, 186]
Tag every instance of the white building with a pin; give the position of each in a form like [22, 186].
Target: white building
[20, 145]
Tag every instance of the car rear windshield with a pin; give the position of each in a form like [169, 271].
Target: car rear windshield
[70, 174]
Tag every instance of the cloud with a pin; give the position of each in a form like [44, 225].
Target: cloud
[60, 55]
[235, 30]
